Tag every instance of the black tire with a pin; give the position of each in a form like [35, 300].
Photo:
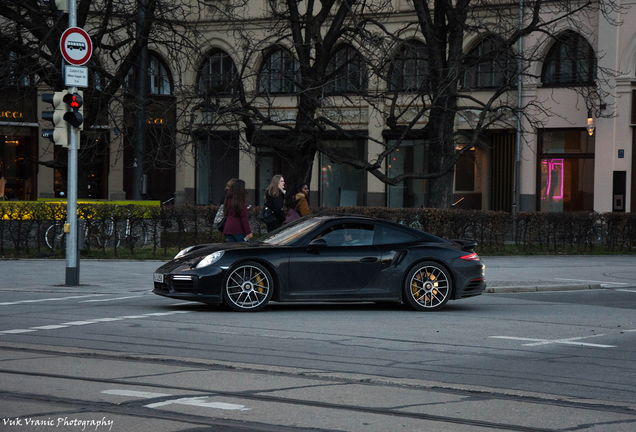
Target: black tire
[428, 287]
[248, 287]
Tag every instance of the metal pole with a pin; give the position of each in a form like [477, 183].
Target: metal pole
[517, 165]
[72, 252]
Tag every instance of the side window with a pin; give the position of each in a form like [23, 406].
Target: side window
[386, 235]
[348, 234]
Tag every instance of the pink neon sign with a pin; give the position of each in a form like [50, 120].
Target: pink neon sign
[549, 167]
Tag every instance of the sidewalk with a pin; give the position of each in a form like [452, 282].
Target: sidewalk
[503, 274]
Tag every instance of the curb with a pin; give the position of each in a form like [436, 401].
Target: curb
[540, 288]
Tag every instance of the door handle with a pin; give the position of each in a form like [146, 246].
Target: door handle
[369, 259]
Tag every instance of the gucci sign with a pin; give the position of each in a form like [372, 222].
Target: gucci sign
[10, 115]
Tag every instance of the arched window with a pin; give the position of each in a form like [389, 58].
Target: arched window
[570, 61]
[279, 73]
[14, 71]
[345, 72]
[490, 65]
[410, 68]
[159, 77]
[159, 82]
[217, 75]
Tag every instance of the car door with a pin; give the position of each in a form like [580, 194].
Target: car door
[344, 264]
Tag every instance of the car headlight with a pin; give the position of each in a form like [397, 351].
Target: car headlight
[183, 252]
[210, 259]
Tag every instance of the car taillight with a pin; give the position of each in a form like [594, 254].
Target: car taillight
[472, 257]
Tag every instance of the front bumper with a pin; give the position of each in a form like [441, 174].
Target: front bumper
[191, 285]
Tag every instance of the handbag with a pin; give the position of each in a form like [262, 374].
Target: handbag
[267, 215]
[221, 224]
[292, 215]
[219, 218]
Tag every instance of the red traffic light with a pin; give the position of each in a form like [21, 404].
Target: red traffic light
[74, 100]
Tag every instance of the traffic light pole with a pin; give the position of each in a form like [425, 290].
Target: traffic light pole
[72, 252]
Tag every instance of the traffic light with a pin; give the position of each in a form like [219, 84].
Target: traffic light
[75, 116]
[60, 6]
[59, 135]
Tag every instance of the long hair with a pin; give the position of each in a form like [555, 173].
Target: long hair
[273, 190]
[291, 194]
[239, 197]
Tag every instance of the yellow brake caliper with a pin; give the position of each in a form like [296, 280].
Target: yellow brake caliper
[260, 289]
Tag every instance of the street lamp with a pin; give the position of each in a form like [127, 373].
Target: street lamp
[590, 123]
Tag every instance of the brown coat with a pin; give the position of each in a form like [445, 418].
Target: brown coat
[302, 206]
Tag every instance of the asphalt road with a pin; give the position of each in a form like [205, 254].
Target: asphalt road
[109, 351]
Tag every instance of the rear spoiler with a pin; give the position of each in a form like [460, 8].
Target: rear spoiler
[466, 245]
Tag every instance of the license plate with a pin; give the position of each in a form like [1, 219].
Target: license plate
[158, 277]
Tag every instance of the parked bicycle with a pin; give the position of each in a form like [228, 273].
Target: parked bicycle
[107, 233]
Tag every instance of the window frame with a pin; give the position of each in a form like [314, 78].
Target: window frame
[411, 52]
[352, 66]
[286, 84]
[569, 45]
[224, 80]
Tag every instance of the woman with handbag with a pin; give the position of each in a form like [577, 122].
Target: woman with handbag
[297, 203]
[237, 226]
[274, 196]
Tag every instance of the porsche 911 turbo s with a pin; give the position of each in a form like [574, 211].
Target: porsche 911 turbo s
[327, 258]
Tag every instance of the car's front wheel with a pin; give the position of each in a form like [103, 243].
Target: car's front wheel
[248, 287]
[427, 287]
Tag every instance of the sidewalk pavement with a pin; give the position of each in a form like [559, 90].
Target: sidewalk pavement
[503, 274]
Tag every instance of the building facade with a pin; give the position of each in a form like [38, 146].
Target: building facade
[552, 164]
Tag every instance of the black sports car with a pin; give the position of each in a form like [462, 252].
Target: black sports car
[327, 258]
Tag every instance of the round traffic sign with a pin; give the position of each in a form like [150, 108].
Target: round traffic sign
[76, 46]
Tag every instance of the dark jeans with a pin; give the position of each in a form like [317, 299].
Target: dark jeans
[231, 238]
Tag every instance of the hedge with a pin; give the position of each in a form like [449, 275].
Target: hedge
[112, 227]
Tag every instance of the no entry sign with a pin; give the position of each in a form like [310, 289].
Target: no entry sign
[76, 46]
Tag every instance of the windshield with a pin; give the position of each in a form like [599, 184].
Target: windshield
[288, 234]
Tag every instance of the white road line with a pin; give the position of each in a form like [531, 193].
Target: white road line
[570, 341]
[626, 290]
[199, 401]
[111, 299]
[94, 321]
[49, 299]
[132, 393]
[591, 281]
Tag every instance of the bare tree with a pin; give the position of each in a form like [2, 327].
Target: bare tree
[424, 91]
[30, 32]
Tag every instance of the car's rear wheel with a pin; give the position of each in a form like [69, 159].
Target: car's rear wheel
[428, 287]
[248, 287]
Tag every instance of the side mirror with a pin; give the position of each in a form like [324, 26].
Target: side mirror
[316, 244]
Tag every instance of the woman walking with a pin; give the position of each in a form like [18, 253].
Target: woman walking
[237, 226]
[297, 202]
[274, 196]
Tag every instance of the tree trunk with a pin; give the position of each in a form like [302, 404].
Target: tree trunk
[441, 153]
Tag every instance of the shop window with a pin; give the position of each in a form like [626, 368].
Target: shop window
[279, 73]
[493, 65]
[465, 172]
[17, 172]
[217, 75]
[268, 164]
[570, 61]
[217, 162]
[411, 156]
[410, 68]
[346, 72]
[566, 171]
[343, 185]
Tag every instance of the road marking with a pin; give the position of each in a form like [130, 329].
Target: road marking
[94, 321]
[603, 283]
[111, 299]
[626, 290]
[200, 401]
[49, 299]
[132, 393]
[570, 341]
